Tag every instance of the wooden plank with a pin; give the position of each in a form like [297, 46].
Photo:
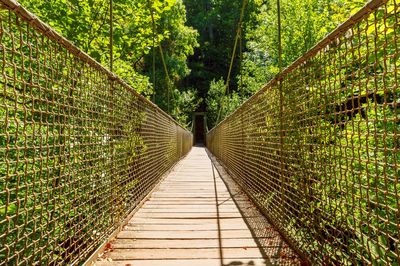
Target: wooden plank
[204, 186]
[187, 253]
[186, 262]
[187, 226]
[183, 243]
[191, 220]
[194, 215]
[201, 227]
[179, 211]
[137, 220]
[190, 191]
[190, 208]
[202, 206]
[190, 195]
[193, 200]
[205, 182]
[181, 234]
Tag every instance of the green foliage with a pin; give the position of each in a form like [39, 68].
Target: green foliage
[184, 104]
[180, 43]
[216, 98]
[216, 22]
[304, 23]
[86, 24]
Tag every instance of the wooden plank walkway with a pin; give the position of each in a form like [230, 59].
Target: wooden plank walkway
[191, 219]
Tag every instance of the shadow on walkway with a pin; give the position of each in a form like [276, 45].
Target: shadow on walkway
[273, 247]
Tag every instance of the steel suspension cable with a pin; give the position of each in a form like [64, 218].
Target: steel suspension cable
[153, 50]
[235, 45]
[278, 5]
[281, 131]
[111, 36]
[150, 7]
[226, 91]
[241, 63]
[167, 76]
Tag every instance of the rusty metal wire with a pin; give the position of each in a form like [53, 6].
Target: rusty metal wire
[317, 149]
[79, 149]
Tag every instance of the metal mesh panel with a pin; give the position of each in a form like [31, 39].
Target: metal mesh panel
[79, 149]
[318, 147]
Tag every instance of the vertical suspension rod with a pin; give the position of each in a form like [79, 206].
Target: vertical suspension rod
[281, 133]
[278, 3]
[238, 31]
[235, 45]
[241, 62]
[111, 36]
[150, 6]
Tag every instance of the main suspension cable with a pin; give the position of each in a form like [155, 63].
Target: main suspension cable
[241, 63]
[153, 50]
[238, 33]
[167, 77]
[150, 7]
[235, 45]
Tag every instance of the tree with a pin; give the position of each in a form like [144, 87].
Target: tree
[87, 25]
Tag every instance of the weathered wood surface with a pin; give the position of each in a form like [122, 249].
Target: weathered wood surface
[192, 219]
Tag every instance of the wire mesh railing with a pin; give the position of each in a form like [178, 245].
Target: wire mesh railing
[317, 149]
[79, 149]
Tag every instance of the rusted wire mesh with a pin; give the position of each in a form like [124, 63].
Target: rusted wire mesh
[318, 147]
[79, 149]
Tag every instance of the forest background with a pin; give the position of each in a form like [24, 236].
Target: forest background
[191, 44]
